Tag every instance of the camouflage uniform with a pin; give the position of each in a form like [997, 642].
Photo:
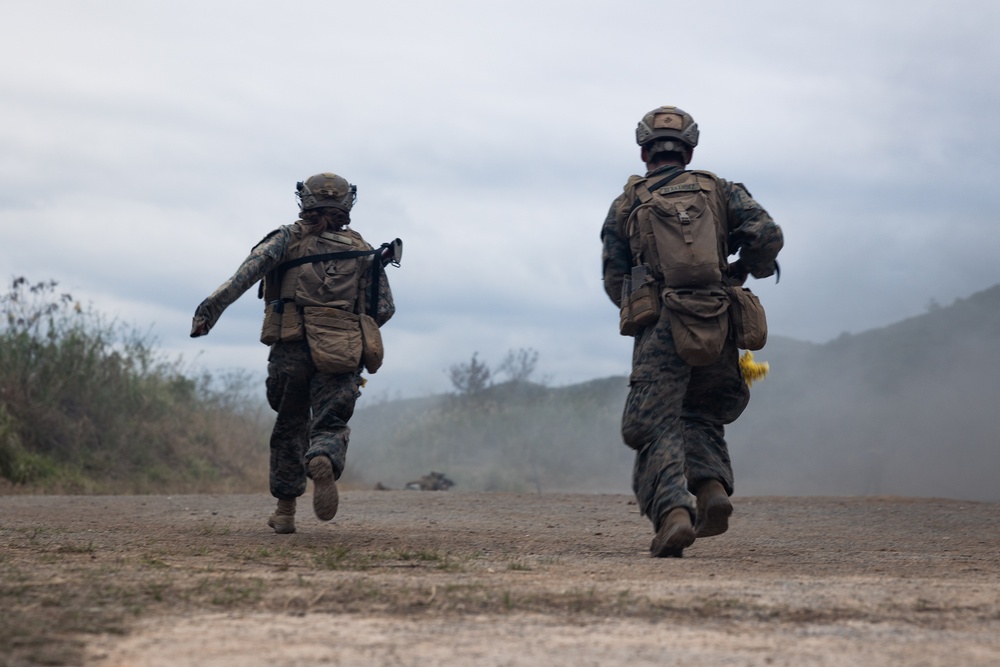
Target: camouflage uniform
[313, 408]
[675, 413]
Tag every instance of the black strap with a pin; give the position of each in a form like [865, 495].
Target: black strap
[278, 273]
[280, 270]
[325, 257]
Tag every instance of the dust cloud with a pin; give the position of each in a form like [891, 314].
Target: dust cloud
[906, 410]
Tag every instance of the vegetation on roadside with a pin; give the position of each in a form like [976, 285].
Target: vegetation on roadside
[89, 406]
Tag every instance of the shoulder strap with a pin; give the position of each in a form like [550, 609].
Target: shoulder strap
[644, 192]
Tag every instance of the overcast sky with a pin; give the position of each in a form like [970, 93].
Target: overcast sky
[145, 147]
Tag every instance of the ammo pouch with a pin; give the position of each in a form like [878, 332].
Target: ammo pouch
[699, 322]
[747, 320]
[282, 322]
[640, 308]
[334, 338]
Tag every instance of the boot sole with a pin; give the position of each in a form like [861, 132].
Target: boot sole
[713, 516]
[281, 529]
[325, 497]
[671, 543]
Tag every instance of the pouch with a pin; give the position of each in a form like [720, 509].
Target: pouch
[640, 301]
[699, 322]
[746, 314]
[372, 351]
[282, 322]
[640, 309]
[334, 338]
[270, 331]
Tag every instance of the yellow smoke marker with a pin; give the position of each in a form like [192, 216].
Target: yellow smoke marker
[752, 370]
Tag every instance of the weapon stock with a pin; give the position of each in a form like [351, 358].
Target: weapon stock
[391, 253]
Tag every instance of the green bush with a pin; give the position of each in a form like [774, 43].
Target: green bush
[88, 405]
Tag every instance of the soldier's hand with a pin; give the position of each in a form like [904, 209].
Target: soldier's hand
[199, 327]
[738, 273]
[200, 323]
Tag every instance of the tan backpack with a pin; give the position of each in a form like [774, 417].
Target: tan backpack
[318, 295]
[675, 225]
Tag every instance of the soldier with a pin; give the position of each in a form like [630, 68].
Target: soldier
[679, 401]
[326, 294]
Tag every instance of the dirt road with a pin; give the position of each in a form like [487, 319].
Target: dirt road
[415, 578]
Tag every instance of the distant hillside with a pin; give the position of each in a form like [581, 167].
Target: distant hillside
[515, 436]
[907, 409]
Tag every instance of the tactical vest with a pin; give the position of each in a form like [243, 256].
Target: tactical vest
[333, 283]
[676, 225]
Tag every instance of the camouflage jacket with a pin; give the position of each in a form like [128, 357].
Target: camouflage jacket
[263, 258]
[751, 233]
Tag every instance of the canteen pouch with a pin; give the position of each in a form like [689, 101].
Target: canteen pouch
[699, 322]
[372, 351]
[747, 320]
[334, 338]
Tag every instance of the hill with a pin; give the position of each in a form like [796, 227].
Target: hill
[902, 410]
[907, 409]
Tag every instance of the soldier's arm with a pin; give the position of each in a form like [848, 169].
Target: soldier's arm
[262, 259]
[386, 306]
[616, 255]
[752, 233]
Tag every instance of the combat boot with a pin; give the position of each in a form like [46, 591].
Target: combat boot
[325, 498]
[675, 533]
[283, 519]
[714, 508]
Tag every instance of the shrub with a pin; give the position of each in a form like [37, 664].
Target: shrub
[89, 405]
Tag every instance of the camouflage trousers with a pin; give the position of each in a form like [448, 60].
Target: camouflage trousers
[674, 419]
[313, 410]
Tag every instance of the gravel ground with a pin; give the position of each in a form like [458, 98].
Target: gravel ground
[406, 577]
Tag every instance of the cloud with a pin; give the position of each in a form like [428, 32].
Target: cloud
[145, 149]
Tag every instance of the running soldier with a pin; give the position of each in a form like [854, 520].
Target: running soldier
[667, 240]
[326, 295]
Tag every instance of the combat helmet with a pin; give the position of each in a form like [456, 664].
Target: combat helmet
[666, 123]
[326, 190]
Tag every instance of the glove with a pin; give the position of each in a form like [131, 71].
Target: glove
[199, 324]
[738, 273]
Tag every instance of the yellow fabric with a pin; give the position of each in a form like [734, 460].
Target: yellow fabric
[752, 371]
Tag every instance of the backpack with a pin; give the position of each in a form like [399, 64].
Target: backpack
[318, 295]
[676, 226]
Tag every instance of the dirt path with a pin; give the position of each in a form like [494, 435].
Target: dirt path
[405, 577]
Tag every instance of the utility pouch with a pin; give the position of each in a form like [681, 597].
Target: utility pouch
[699, 323]
[372, 351]
[334, 338]
[640, 301]
[282, 322]
[747, 321]
[270, 332]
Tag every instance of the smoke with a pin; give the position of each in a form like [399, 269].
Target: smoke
[905, 410]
